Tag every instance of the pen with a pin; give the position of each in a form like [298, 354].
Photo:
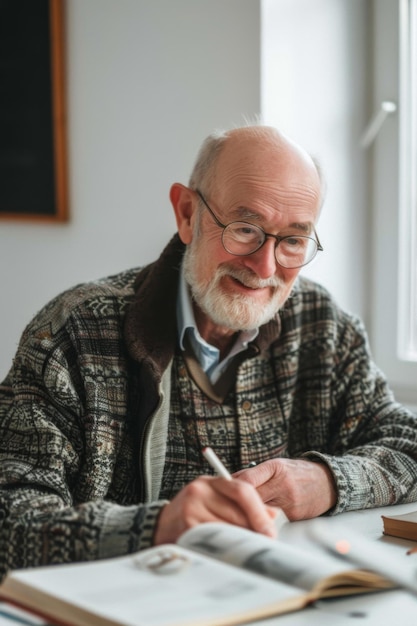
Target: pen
[215, 463]
[220, 469]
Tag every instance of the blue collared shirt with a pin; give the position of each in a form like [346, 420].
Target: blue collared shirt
[208, 356]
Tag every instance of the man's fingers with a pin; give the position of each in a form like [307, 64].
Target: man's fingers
[209, 499]
[251, 510]
[301, 487]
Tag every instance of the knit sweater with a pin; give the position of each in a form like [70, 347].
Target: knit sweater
[84, 412]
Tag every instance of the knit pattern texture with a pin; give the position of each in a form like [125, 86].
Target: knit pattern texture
[83, 388]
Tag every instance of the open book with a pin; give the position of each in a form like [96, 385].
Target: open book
[403, 526]
[217, 575]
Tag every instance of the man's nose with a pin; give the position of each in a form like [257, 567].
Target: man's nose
[263, 261]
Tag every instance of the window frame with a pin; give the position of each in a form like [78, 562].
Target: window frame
[407, 276]
[391, 194]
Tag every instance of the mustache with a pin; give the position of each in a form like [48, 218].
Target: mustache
[248, 278]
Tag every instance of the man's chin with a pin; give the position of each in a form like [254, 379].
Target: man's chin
[242, 318]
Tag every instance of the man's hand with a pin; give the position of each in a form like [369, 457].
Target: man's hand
[302, 489]
[209, 499]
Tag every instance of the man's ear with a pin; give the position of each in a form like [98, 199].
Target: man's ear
[183, 201]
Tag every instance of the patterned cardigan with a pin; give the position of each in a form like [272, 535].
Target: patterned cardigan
[85, 406]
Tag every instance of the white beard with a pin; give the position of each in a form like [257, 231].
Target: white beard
[233, 311]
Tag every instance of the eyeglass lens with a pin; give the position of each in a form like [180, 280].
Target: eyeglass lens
[242, 238]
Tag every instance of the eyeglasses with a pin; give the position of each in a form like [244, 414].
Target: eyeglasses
[243, 238]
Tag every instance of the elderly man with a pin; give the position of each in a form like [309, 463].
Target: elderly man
[117, 385]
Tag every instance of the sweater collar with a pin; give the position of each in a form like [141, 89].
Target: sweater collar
[151, 319]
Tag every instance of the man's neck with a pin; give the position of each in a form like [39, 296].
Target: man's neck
[221, 337]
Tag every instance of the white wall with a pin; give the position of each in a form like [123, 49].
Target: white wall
[315, 89]
[147, 80]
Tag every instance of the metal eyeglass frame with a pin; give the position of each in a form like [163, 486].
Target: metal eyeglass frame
[277, 238]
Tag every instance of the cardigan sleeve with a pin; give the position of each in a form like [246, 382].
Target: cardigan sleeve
[372, 439]
[64, 441]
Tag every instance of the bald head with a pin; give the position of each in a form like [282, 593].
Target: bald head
[261, 151]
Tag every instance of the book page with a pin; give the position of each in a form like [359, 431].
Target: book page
[380, 557]
[303, 567]
[162, 586]
[12, 616]
[404, 525]
[405, 517]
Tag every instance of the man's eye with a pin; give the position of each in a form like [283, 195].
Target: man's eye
[294, 242]
[246, 232]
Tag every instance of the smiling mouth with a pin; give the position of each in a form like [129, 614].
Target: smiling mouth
[247, 280]
[245, 286]
[249, 287]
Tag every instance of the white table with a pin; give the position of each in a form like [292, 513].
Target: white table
[387, 608]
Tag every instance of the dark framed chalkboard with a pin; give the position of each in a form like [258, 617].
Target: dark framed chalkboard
[33, 159]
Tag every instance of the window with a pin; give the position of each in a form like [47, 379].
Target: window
[393, 319]
[325, 101]
[407, 281]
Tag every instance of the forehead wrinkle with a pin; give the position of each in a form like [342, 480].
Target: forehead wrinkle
[248, 215]
[268, 190]
[302, 196]
[282, 201]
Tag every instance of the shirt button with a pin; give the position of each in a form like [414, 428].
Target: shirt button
[246, 405]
